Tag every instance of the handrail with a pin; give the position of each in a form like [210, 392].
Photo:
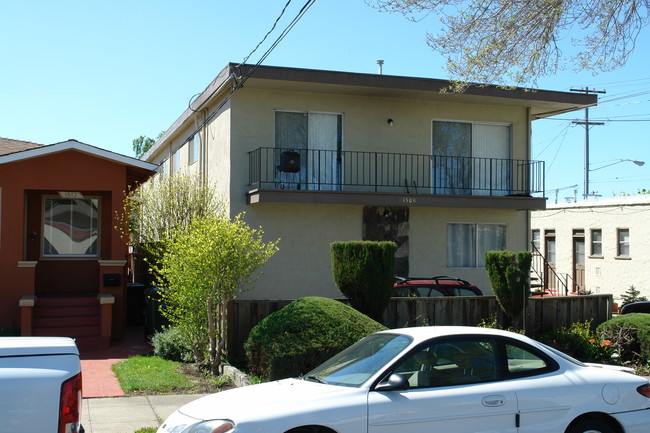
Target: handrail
[543, 269]
[332, 170]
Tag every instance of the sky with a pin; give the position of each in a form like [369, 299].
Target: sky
[104, 73]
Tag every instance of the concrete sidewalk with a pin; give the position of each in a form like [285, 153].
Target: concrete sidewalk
[128, 414]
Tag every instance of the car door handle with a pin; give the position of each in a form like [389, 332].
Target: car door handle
[493, 400]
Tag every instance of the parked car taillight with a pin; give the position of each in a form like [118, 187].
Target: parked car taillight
[644, 390]
[70, 409]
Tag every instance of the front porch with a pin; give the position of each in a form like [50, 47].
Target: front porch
[87, 316]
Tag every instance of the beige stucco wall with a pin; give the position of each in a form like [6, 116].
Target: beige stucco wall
[609, 273]
[428, 239]
[302, 266]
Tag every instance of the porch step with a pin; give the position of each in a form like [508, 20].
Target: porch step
[77, 317]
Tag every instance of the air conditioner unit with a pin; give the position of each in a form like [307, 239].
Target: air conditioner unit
[289, 162]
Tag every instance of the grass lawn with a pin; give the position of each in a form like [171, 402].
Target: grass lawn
[146, 430]
[150, 374]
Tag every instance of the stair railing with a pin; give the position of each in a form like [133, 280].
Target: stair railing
[545, 273]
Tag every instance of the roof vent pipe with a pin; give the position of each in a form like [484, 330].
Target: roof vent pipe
[380, 63]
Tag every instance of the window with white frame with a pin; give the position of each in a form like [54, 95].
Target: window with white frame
[623, 249]
[194, 144]
[467, 243]
[70, 227]
[596, 242]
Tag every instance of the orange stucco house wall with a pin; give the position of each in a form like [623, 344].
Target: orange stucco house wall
[57, 237]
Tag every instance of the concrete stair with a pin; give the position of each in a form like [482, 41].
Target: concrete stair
[72, 316]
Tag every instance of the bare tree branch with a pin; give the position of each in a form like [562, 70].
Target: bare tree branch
[514, 42]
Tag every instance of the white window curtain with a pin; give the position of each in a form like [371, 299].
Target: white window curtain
[323, 143]
[471, 158]
[467, 243]
[461, 245]
[491, 145]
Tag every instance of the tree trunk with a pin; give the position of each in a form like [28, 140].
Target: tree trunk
[213, 350]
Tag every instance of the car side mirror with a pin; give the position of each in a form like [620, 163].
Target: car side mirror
[395, 382]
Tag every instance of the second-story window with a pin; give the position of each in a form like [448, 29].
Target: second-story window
[194, 144]
[175, 161]
[471, 158]
[308, 147]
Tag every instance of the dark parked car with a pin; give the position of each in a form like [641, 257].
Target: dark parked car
[636, 307]
[434, 287]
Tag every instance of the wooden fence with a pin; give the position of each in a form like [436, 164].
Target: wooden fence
[542, 314]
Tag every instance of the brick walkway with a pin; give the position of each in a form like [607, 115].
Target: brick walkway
[97, 376]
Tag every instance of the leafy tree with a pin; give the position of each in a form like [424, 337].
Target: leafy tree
[206, 265]
[143, 143]
[364, 271]
[516, 41]
[154, 211]
[509, 275]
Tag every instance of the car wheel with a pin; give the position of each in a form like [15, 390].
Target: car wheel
[590, 426]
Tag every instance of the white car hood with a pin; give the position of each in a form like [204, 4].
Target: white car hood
[271, 399]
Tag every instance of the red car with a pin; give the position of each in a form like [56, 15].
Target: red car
[434, 287]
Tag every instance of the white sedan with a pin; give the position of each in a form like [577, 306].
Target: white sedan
[433, 379]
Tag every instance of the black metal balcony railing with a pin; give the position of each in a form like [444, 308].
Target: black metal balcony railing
[327, 170]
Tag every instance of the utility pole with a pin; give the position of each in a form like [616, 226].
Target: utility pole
[587, 124]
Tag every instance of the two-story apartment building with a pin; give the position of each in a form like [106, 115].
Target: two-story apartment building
[315, 157]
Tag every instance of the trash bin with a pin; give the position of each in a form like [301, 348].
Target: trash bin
[154, 321]
[135, 304]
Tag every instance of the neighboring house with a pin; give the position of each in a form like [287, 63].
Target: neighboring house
[315, 157]
[63, 264]
[597, 246]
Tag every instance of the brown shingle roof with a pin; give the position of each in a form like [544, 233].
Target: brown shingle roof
[7, 146]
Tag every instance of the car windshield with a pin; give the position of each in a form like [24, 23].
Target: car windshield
[357, 363]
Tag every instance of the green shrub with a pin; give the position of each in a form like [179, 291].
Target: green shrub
[364, 272]
[581, 342]
[302, 335]
[630, 336]
[509, 275]
[169, 344]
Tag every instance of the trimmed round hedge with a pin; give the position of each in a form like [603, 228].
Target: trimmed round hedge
[631, 334]
[302, 335]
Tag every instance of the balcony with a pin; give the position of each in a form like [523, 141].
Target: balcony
[351, 177]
